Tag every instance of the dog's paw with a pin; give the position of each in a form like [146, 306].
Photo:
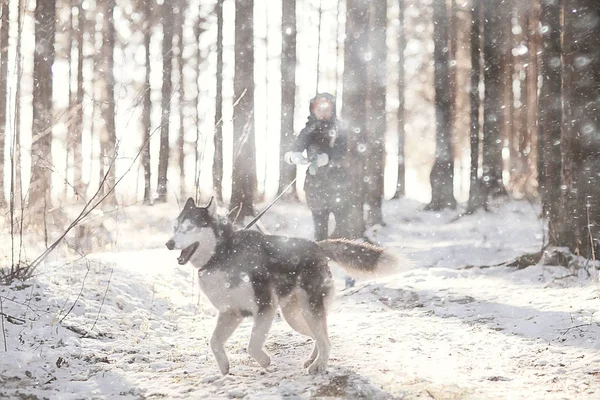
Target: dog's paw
[224, 369]
[267, 371]
[261, 357]
[317, 368]
[265, 361]
[309, 362]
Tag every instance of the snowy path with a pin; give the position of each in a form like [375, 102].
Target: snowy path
[439, 331]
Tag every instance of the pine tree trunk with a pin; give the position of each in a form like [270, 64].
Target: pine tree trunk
[507, 129]
[579, 225]
[244, 162]
[71, 111]
[401, 179]
[147, 111]
[77, 138]
[198, 29]
[218, 139]
[354, 109]
[181, 138]
[523, 147]
[167, 59]
[493, 116]
[18, 189]
[4, 31]
[532, 88]
[477, 197]
[288, 94]
[452, 68]
[550, 107]
[376, 112]
[108, 107]
[43, 59]
[442, 173]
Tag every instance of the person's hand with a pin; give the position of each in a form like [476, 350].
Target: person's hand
[322, 159]
[295, 157]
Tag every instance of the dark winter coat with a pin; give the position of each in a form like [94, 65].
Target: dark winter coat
[329, 187]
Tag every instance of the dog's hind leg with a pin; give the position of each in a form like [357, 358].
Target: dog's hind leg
[293, 315]
[226, 324]
[313, 356]
[315, 315]
[262, 324]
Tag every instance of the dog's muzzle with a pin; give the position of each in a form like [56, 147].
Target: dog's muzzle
[170, 244]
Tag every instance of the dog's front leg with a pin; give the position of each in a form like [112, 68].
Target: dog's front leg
[262, 324]
[227, 323]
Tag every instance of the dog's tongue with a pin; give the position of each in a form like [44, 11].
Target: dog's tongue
[187, 253]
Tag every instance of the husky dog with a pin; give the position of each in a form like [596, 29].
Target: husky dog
[246, 273]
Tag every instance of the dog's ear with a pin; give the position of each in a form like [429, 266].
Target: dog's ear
[189, 204]
[212, 207]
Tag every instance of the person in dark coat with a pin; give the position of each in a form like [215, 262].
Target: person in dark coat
[327, 185]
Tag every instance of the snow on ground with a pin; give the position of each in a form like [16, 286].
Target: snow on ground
[131, 323]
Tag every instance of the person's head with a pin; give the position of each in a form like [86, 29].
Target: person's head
[322, 107]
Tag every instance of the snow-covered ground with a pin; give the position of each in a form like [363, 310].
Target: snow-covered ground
[131, 323]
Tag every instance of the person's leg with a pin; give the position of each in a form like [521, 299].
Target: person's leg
[321, 223]
[340, 216]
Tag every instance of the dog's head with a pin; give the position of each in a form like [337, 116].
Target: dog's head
[194, 228]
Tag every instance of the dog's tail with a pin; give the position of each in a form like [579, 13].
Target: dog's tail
[364, 260]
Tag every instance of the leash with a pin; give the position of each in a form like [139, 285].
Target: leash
[270, 205]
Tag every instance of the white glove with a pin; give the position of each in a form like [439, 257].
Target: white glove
[322, 159]
[295, 157]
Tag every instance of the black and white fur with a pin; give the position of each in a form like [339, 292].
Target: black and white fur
[245, 273]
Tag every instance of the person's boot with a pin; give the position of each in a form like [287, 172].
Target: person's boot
[350, 282]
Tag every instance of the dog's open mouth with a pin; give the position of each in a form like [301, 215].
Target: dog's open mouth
[187, 253]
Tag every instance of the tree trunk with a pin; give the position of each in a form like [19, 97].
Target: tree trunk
[532, 86]
[180, 61]
[579, 224]
[71, 110]
[109, 136]
[218, 139]
[376, 112]
[401, 179]
[77, 138]
[4, 31]
[43, 59]
[198, 29]
[167, 59]
[244, 163]
[452, 71]
[477, 198]
[356, 45]
[493, 116]
[442, 173]
[507, 129]
[288, 94]
[550, 109]
[523, 147]
[146, 113]
[19, 72]
[518, 137]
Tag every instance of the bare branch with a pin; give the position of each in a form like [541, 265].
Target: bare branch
[2, 323]
[103, 299]
[78, 296]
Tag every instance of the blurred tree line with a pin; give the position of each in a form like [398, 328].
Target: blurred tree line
[513, 86]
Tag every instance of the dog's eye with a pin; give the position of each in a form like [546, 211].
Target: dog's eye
[203, 224]
[199, 222]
